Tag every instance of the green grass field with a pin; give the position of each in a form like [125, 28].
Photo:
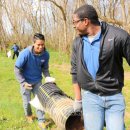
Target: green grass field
[11, 110]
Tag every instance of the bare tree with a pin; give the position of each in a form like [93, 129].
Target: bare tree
[53, 18]
[112, 10]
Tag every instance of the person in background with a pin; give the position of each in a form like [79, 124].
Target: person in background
[97, 70]
[15, 49]
[31, 63]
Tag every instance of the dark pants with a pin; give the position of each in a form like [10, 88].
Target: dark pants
[15, 53]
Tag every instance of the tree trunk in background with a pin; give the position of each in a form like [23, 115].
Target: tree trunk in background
[19, 20]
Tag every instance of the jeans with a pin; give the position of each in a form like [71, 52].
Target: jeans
[100, 109]
[26, 96]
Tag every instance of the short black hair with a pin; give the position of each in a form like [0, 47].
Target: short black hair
[87, 11]
[38, 36]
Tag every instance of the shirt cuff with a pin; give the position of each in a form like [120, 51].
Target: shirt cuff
[74, 79]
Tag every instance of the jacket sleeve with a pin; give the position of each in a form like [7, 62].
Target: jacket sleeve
[126, 48]
[19, 75]
[45, 67]
[74, 62]
[45, 71]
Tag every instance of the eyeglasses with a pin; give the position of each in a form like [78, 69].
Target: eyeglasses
[76, 22]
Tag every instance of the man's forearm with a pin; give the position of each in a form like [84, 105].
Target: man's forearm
[77, 91]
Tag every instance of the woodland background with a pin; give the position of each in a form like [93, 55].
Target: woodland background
[20, 19]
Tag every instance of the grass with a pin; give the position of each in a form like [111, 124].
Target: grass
[11, 110]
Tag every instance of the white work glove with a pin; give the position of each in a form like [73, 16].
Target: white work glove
[77, 105]
[36, 103]
[49, 79]
[27, 86]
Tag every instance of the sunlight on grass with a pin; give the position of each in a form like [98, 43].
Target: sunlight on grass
[11, 110]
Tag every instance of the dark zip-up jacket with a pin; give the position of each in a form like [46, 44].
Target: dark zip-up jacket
[115, 44]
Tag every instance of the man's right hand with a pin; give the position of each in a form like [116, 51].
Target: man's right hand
[28, 86]
[49, 80]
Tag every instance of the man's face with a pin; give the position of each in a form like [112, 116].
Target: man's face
[80, 25]
[39, 46]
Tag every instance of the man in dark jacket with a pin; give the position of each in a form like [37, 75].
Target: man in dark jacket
[15, 48]
[97, 70]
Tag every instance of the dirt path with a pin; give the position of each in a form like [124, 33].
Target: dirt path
[127, 76]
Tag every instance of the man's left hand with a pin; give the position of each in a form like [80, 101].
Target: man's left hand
[77, 105]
